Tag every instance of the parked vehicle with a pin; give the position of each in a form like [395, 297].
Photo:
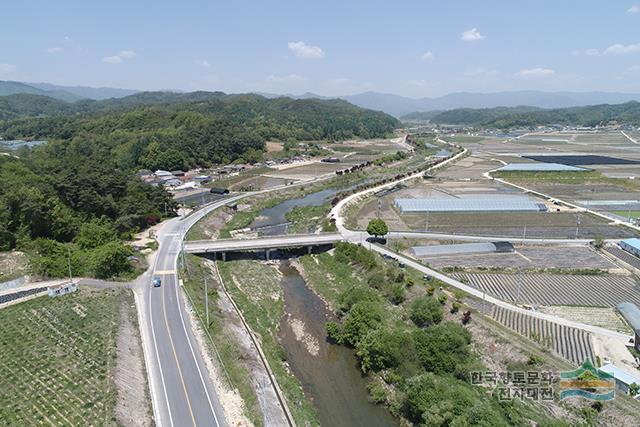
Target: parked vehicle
[217, 190]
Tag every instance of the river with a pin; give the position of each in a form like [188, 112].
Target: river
[329, 373]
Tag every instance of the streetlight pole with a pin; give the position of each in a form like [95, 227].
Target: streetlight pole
[69, 263]
[206, 298]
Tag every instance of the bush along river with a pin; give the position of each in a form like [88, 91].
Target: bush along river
[329, 374]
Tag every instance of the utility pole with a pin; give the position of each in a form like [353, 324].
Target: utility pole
[577, 224]
[206, 298]
[184, 265]
[69, 263]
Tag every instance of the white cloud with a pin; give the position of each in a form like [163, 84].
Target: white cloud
[303, 50]
[633, 10]
[120, 57]
[203, 63]
[472, 35]
[67, 39]
[588, 52]
[481, 72]
[7, 68]
[419, 83]
[535, 72]
[621, 49]
[427, 56]
[289, 78]
[340, 81]
[55, 49]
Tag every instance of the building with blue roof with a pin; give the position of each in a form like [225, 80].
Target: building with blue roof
[479, 203]
[623, 379]
[540, 167]
[631, 245]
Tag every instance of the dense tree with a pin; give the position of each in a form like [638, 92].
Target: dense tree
[363, 317]
[440, 401]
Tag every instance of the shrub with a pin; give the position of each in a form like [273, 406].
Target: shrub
[363, 317]
[334, 332]
[396, 293]
[354, 295]
[425, 311]
[442, 347]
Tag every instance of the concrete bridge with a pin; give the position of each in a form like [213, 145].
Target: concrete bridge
[267, 243]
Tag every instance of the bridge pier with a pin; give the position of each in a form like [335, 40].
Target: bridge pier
[309, 249]
[267, 254]
[224, 256]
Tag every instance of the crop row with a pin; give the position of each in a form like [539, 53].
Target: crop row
[570, 343]
[57, 360]
[556, 289]
[624, 256]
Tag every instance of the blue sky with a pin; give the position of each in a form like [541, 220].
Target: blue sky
[411, 48]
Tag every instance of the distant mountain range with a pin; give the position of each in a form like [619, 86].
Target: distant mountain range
[401, 105]
[395, 105]
[63, 93]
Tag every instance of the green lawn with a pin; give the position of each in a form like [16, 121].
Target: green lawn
[57, 359]
[627, 214]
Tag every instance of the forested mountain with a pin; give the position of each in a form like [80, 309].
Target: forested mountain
[13, 88]
[172, 130]
[501, 117]
[469, 115]
[87, 92]
[78, 194]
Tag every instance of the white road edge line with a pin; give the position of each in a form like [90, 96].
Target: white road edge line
[155, 345]
[204, 385]
[147, 359]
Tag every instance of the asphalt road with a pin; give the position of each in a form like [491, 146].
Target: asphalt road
[181, 388]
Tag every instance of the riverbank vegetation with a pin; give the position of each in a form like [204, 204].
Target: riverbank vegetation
[410, 340]
[255, 287]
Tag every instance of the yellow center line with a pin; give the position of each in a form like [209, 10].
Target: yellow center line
[175, 355]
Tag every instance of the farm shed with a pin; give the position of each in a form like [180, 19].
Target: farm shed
[66, 288]
[631, 246]
[464, 248]
[480, 203]
[631, 313]
[623, 378]
[540, 167]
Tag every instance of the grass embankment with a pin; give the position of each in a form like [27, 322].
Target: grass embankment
[255, 287]
[225, 345]
[58, 359]
[409, 340]
[308, 219]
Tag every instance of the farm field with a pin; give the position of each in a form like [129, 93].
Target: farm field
[597, 316]
[606, 290]
[570, 343]
[527, 257]
[624, 256]
[59, 359]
